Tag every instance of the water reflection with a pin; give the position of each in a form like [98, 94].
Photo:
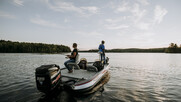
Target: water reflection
[57, 96]
[61, 95]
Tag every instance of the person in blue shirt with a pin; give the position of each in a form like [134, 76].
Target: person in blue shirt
[102, 51]
[71, 57]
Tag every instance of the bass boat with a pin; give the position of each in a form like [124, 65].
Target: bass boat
[86, 76]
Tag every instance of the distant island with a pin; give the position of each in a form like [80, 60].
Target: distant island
[24, 47]
[132, 50]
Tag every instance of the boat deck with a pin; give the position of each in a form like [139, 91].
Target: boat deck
[80, 74]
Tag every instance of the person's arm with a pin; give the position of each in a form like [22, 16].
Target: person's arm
[73, 56]
[67, 55]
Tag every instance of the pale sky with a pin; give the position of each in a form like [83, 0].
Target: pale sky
[121, 23]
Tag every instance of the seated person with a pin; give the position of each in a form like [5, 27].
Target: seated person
[72, 57]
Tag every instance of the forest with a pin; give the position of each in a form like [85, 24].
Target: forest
[173, 48]
[132, 50]
[24, 47]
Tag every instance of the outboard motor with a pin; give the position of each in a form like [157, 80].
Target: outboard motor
[83, 63]
[47, 77]
[99, 65]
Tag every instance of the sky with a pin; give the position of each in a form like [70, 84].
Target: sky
[120, 23]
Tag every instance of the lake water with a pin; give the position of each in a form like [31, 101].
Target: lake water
[134, 77]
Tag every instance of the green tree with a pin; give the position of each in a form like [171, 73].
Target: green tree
[16, 47]
[173, 48]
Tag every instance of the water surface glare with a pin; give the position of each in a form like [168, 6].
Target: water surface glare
[134, 77]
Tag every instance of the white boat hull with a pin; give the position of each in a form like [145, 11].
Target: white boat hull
[88, 83]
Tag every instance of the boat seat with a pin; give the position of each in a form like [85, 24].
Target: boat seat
[92, 68]
[74, 65]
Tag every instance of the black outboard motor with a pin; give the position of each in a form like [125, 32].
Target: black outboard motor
[99, 65]
[47, 77]
[83, 63]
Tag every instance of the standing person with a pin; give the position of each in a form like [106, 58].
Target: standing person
[102, 51]
[71, 57]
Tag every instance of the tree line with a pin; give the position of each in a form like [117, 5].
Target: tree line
[132, 50]
[24, 47]
[173, 48]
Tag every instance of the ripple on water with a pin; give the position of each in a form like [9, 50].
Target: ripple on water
[134, 77]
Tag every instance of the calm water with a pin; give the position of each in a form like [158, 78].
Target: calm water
[134, 77]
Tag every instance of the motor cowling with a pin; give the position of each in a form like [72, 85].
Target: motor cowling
[83, 63]
[47, 77]
[99, 65]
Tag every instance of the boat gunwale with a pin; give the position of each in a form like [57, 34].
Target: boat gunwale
[88, 82]
[90, 88]
[90, 79]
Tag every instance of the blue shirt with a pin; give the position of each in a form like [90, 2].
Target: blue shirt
[101, 47]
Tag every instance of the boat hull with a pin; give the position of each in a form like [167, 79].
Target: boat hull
[89, 85]
[95, 87]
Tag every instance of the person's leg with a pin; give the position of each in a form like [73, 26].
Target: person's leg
[69, 68]
[104, 59]
[73, 61]
[65, 63]
[101, 57]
